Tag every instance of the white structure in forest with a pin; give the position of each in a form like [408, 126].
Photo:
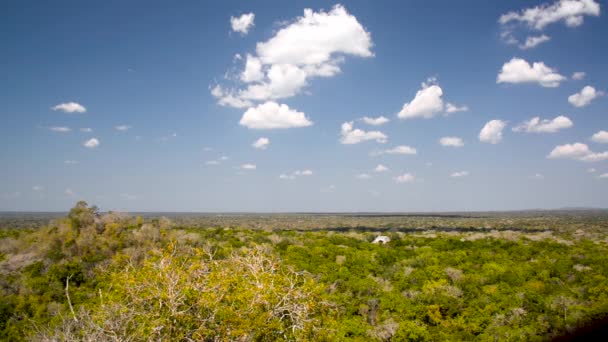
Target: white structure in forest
[382, 239]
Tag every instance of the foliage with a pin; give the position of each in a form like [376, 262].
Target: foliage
[146, 279]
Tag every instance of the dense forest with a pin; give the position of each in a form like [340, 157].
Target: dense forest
[110, 276]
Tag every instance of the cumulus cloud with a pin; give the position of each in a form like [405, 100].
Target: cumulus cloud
[459, 174]
[600, 137]
[271, 115]
[243, 23]
[253, 70]
[579, 75]
[584, 97]
[569, 11]
[452, 108]
[122, 128]
[380, 168]
[518, 70]
[228, 98]
[69, 107]
[261, 143]
[401, 149]
[86, 130]
[405, 178]
[381, 120]
[349, 135]
[60, 129]
[248, 167]
[314, 38]
[284, 80]
[492, 131]
[577, 151]
[534, 41]
[91, 143]
[426, 104]
[310, 46]
[451, 142]
[536, 125]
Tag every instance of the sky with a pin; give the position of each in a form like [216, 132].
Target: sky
[283, 106]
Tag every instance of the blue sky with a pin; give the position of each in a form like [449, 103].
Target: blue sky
[156, 105]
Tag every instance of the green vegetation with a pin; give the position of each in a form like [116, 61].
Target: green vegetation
[93, 276]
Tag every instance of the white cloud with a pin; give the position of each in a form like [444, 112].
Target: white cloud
[295, 174]
[381, 120]
[86, 130]
[595, 157]
[311, 46]
[459, 174]
[452, 108]
[91, 143]
[492, 131]
[37, 188]
[261, 143]
[69, 192]
[426, 104]
[518, 70]
[536, 125]
[603, 175]
[538, 176]
[122, 128]
[363, 176]
[248, 167]
[401, 149]
[534, 41]
[600, 137]
[253, 70]
[60, 129]
[579, 75]
[224, 158]
[228, 98]
[314, 38]
[591, 170]
[405, 178]
[243, 23]
[303, 173]
[577, 151]
[451, 142]
[569, 11]
[348, 135]
[284, 80]
[584, 97]
[380, 168]
[70, 162]
[69, 107]
[271, 115]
